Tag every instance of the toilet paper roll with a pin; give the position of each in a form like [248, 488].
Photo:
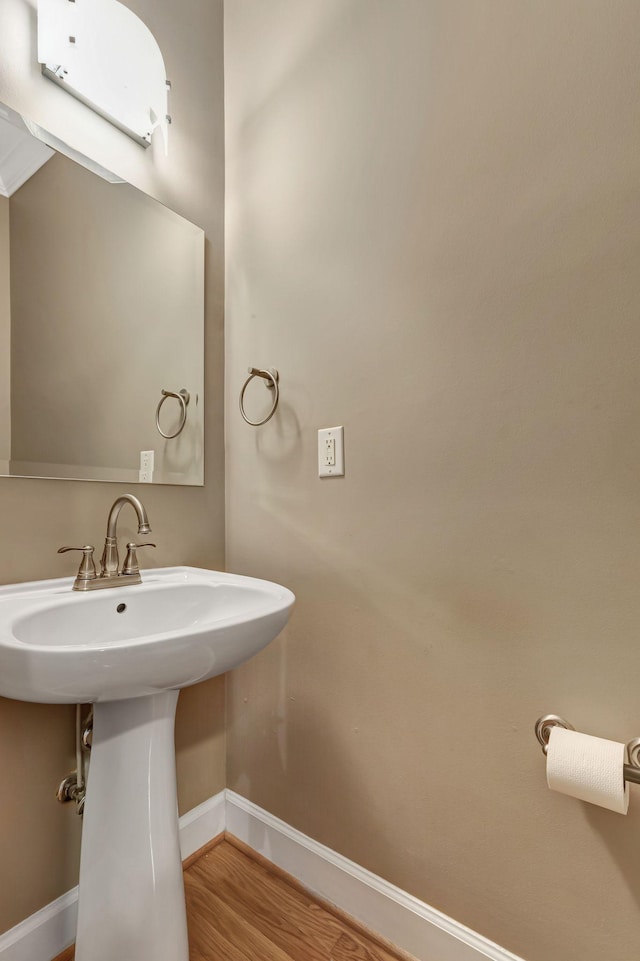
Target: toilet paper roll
[588, 768]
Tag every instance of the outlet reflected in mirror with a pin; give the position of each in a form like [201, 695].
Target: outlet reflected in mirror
[101, 309]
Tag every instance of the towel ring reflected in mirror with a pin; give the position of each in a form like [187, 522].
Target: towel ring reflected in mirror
[183, 397]
[272, 377]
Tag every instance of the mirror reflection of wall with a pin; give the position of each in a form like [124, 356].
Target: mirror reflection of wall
[106, 309]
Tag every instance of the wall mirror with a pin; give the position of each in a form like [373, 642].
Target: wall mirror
[101, 320]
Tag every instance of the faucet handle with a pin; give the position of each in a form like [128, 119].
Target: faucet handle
[130, 565]
[87, 569]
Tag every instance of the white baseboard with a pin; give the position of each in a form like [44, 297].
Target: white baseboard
[408, 923]
[201, 825]
[402, 919]
[46, 933]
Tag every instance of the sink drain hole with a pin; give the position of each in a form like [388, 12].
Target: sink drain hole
[120, 608]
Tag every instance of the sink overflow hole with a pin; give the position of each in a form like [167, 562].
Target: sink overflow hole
[120, 608]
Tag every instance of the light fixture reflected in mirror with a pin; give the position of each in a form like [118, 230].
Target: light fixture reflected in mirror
[105, 56]
[20, 155]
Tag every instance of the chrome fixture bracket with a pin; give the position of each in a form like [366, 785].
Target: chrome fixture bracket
[183, 396]
[273, 377]
[110, 580]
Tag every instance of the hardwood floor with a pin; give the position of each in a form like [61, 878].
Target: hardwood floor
[242, 908]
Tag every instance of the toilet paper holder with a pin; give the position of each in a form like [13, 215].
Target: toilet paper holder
[548, 721]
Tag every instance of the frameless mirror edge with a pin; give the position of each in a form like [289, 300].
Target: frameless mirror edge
[43, 471]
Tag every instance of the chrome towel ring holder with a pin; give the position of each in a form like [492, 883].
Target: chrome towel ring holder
[272, 377]
[183, 397]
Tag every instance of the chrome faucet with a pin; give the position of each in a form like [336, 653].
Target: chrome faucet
[110, 575]
[109, 562]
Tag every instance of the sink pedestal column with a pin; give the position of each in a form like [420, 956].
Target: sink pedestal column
[131, 903]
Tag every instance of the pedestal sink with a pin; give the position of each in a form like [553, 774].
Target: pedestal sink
[129, 651]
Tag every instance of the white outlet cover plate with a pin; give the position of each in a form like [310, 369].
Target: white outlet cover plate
[337, 469]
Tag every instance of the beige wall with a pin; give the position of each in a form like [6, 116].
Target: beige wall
[38, 837]
[5, 334]
[103, 317]
[434, 234]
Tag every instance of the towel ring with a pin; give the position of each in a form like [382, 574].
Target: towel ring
[184, 397]
[273, 377]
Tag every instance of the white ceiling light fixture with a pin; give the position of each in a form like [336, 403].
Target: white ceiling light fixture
[103, 54]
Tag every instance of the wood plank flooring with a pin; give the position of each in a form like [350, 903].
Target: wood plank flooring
[242, 908]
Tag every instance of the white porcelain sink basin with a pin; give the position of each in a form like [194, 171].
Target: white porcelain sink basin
[180, 626]
[130, 650]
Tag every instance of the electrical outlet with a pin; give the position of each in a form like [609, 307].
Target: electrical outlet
[145, 476]
[331, 452]
[147, 458]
